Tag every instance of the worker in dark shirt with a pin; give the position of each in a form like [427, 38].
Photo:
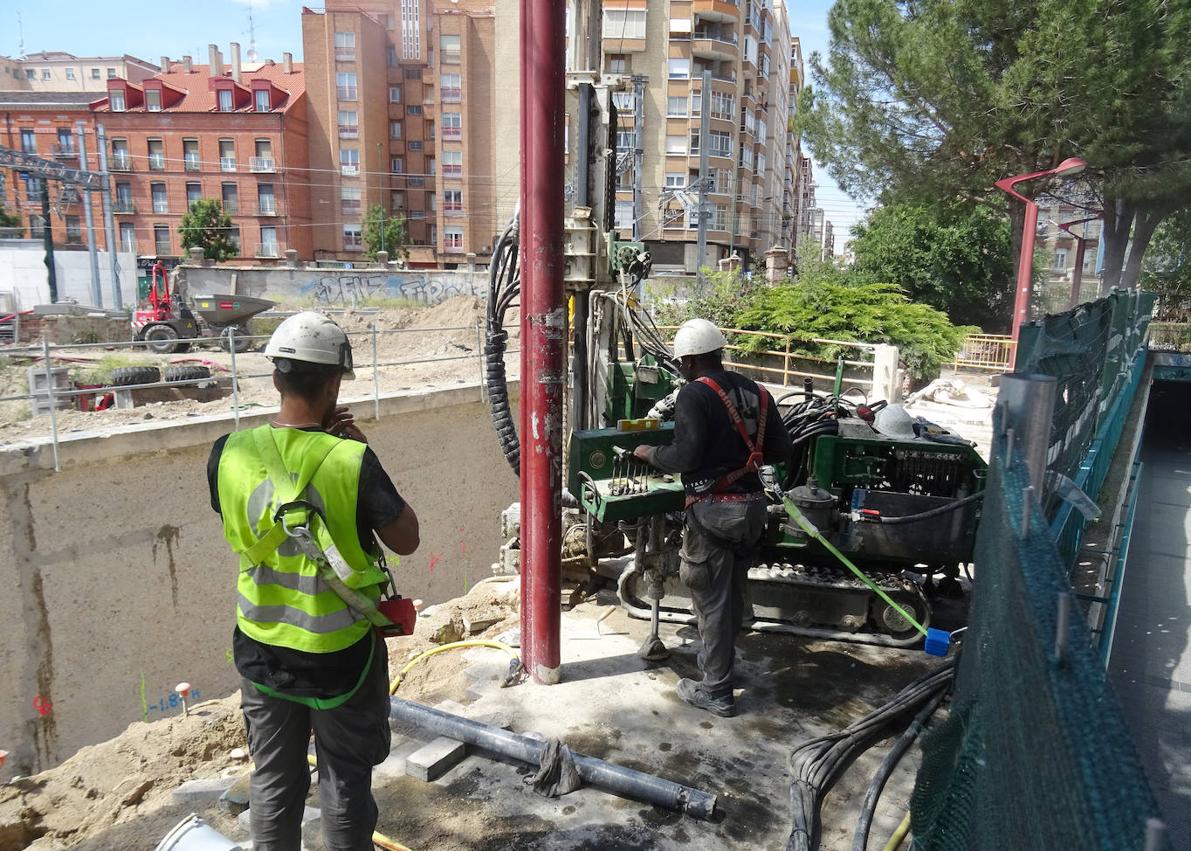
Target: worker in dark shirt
[303, 500]
[725, 428]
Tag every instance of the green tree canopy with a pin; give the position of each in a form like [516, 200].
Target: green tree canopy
[384, 232]
[956, 260]
[205, 225]
[1167, 270]
[9, 220]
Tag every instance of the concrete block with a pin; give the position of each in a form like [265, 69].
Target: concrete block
[435, 759]
[204, 790]
[235, 798]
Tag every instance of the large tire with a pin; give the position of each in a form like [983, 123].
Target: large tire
[161, 339]
[243, 344]
[127, 376]
[186, 373]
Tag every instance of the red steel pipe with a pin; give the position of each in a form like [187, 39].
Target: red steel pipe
[543, 329]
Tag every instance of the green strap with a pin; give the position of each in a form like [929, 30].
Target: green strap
[809, 528]
[323, 702]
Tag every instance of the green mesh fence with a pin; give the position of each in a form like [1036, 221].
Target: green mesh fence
[1035, 753]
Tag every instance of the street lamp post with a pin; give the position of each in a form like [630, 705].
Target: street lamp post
[1081, 243]
[1025, 261]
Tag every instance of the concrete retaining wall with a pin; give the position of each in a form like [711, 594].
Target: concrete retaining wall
[333, 287]
[119, 583]
[23, 274]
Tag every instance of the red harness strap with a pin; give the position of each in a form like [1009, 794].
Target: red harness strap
[756, 447]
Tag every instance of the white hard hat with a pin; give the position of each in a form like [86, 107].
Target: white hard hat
[893, 421]
[310, 337]
[697, 337]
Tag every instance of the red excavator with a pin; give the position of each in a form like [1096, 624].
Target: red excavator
[167, 322]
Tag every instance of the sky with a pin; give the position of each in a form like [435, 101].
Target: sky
[159, 28]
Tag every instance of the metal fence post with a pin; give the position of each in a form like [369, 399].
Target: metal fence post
[53, 402]
[231, 344]
[786, 366]
[1028, 403]
[375, 375]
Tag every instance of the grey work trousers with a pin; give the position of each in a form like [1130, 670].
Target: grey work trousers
[348, 741]
[719, 545]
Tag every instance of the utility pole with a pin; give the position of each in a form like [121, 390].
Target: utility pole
[704, 144]
[47, 236]
[92, 252]
[543, 332]
[109, 224]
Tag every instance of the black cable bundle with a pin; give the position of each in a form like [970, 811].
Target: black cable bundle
[504, 285]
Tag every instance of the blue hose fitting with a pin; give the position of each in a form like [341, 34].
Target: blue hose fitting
[938, 642]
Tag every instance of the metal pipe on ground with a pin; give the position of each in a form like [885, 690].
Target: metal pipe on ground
[595, 772]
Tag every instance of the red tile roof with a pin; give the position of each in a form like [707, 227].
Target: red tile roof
[198, 94]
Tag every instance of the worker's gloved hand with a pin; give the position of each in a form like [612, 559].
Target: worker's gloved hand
[644, 453]
[342, 423]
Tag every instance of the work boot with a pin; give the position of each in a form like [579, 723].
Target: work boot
[693, 693]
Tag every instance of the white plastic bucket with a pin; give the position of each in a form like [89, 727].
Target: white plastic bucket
[194, 834]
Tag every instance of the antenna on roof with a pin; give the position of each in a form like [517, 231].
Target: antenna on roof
[21, 32]
[251, 35]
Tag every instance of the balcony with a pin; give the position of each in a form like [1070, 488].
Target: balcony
[716, 10]
[452, 249]
[227, 163]
[65, 152]
[345, 54]
[156, 162]
[261, 165]
[715, 47]
[346, 92]
[161, 207]
[349, 131]
[124, 207]
[120, 162]
[268, 250]
[452, 94]
[349, 170]
[231, 206]
[191, 162]
[452, 134]
[266, 208]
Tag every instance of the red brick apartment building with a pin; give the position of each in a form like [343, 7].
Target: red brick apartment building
[236, 133]
[401, 114]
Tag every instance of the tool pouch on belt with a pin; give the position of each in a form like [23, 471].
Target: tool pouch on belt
[291, 521]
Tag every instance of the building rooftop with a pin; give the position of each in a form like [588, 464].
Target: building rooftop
[196, 92]
[46, 100]
[63, 56]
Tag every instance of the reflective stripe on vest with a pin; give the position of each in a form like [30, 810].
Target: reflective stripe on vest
[283, 601]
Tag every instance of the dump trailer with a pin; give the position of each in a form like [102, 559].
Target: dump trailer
[167, 318]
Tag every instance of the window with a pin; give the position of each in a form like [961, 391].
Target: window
[345, 47]
[116, 100]
[153, 100]
[452, 239]
[1060, 260]
[226, 101]
[121, 161]
[32, 188]
[156, 155]
[74, 232]
[452, 200]
[70, 73]
[111, 73]
[397, 200]
[623, 102]
[676, 145]
[345, 85]
[618, 64]
[350, 199]
[676, 107]
[696, 103]
[694, 141]
[233, 236]
[190, 155]
[760, 163]
[262, 101]
[30, 74]
[390, 22]
[626, 140]
[394, 94]
[430, 131]
[720, 144]
[680, 26]
[450, 46]
[128, 237]
[227, 155]
[413, 74]
[349, 162]
[624, 23]
[28, 142]
[414, 109]
[161, 239]
[94, 73]
[415, 145]
[230, 195]
[65, 141]
[45, 73]
[431, 166]
[263, 161]
[679, 69]
[161, 202]
[349, 124]
[123, 200]
[391, 57]
[394, 129]
[352, 238]
[624, 215]
[268, 247]
[723, 106]
[452, 88]
[397, 165]
[452, 163]
[452, 126]
[266, 201]
[676, 180]
[36, 224]
[194, 192]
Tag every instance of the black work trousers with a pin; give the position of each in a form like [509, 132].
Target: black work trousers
[348, 741]
[719, 545]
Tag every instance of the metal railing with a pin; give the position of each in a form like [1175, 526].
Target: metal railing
[264, 165]
[986, 351]
[1170, 336]
[231, 376]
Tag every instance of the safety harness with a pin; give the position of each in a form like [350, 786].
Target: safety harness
[291, 522]
[755, 447]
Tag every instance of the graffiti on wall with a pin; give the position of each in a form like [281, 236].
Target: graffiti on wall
[350, 289]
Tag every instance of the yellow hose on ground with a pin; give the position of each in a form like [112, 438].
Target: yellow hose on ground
[442, 648]
[899, 835]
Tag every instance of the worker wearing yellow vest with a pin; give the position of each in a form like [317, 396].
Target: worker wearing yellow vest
[303, 500]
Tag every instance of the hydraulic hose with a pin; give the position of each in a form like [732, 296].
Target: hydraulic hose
[496, 381]
[934, 512]
[899, 835]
